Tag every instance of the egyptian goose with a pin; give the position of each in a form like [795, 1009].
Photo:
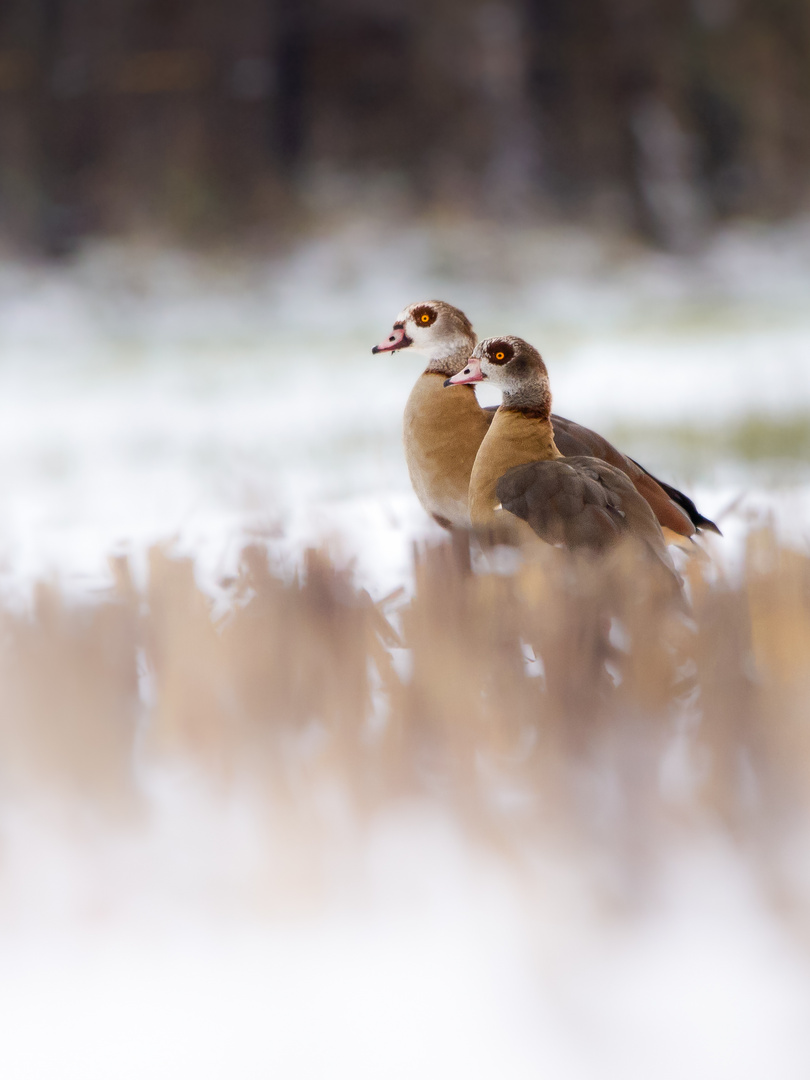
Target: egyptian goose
[577, 502]
[443, 428]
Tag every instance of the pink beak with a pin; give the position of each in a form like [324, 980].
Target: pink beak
[471, 373]
[397, 339]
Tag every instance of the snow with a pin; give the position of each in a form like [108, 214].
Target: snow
[430, 959]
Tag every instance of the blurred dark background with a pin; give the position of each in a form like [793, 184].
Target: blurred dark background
[243, 119]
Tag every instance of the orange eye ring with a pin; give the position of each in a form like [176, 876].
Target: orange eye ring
[425, 318]
[500, 356]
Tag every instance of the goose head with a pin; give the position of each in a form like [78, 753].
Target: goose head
[515, 367]
[433, 329]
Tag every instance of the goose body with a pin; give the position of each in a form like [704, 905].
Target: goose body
[579, 502]
[444, 428]
[441, 440]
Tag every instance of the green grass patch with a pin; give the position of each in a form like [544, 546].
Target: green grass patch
[751, 438]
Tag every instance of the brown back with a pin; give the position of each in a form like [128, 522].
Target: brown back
[673, 509]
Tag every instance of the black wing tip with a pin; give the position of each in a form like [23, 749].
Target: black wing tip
[684, 502]
[704, 523]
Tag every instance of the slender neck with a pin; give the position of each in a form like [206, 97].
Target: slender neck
[452, 363]
[532, 397]
[530, 437]
[530, 404]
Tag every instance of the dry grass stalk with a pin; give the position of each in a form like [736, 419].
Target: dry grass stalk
[543, 702]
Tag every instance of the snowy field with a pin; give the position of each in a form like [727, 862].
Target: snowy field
[150, 396]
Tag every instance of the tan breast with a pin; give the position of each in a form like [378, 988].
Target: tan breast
[513, 439]
[443, 429]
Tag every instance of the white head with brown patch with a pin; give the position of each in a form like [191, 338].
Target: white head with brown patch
[516, 368]
[436, 330]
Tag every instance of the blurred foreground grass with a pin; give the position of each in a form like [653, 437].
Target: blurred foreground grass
[557, 702]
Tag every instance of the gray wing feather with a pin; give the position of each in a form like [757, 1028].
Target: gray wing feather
[584, 503]
[579, 502]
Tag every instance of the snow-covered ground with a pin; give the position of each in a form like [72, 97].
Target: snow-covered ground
[148, 395]
[174, 958]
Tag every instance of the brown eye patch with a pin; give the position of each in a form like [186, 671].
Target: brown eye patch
[424, 316]
[500, 352]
